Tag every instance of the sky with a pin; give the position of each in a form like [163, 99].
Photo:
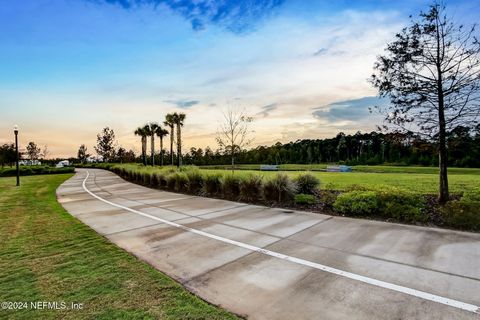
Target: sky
[68, 68]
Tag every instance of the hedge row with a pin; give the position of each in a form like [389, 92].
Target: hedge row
[281, 189]
[34, 170]
[249, 188]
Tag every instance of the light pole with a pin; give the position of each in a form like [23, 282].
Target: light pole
[15, 130]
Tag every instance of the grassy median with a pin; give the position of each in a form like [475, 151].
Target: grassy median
[48, 255]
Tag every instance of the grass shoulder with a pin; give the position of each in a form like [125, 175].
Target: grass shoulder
[48, 255]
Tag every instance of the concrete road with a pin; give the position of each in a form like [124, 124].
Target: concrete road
[266, 263]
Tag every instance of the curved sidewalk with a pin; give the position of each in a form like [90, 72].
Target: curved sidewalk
[269, 263]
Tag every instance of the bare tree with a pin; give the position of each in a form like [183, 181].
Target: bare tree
[431, 74]
[233, 133]
[45, 152]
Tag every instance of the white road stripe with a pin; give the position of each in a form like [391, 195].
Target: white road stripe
[375, 282]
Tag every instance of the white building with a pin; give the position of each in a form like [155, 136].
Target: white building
[29, 163]
[63, 163]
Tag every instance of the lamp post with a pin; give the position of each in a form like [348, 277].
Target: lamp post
[15, 130]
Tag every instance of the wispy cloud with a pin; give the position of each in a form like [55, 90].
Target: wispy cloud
[353, 110]
[238, 16]
[320, 51]
[183, 103]
[267, 109]
[325, 51]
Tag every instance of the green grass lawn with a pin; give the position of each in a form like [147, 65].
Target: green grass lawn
[373, 169]
[48, 255]
[415, 182]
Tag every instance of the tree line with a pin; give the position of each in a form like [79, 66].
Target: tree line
[32, 152]
[371, 148]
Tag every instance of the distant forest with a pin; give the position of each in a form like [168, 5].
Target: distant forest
[359, 149]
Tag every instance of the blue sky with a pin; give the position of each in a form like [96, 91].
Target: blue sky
[70, 67]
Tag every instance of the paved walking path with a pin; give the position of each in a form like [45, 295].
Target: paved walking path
[267, 263]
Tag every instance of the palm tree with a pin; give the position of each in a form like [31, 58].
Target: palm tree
[178, 119]
[152, 127]
[171, 124]
[142, 132]
[161, 133]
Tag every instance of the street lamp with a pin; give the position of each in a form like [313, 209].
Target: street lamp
[15, 130]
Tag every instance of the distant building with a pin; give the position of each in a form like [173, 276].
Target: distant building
[341, 168]
[268, 167]
[93, 159]
[29, 163]
[63, 163]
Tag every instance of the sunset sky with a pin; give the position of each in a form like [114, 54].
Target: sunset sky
[68, 68]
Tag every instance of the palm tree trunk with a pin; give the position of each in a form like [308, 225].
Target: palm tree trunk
[171, 144]
[179, 145]
[143, 151]
[152, 147]
[161, 151]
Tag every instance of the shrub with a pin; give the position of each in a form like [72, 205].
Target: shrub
[402, 206]
[170, 170]
[181, 182]
[177, 181]
[461, 214]
[396, 204]
[251, 188]
[212, 184]
[279, 189]
[162, 180]
[230, 186]
[107, 166]
[195, 181]
[328, 197]
[171, 179]
[154, 180]
[305, 199]
[122, 173]
[357, 203]
[146, 178]
[307, 183]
